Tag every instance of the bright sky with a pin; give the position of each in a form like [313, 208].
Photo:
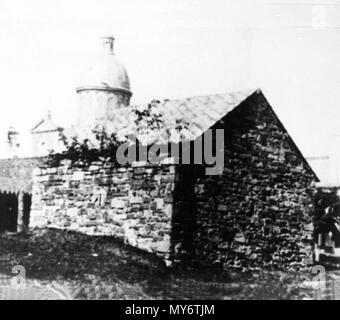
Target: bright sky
[173, 49]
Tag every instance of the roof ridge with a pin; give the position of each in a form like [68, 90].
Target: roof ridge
[249, 90]
[47, 121]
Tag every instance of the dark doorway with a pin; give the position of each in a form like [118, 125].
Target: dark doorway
[8, 212]
[27, 199]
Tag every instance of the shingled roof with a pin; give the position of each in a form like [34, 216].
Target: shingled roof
[201, 112]
[197, 113]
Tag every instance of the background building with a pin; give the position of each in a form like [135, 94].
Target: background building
[104, 89]
[46, 137]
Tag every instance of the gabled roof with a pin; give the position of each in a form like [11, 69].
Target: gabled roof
[45, 125]
[197, 113]
[202, 112]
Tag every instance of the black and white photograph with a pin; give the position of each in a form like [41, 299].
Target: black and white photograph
[182, 152]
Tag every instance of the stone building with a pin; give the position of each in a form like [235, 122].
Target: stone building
[104, 89]
[254, 212]
[18, 158]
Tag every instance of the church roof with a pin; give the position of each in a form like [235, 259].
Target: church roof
[105, 71]
[45, 125]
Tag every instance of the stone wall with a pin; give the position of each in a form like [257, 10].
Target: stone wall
[16, 174]
[133, 203]
[259, 212]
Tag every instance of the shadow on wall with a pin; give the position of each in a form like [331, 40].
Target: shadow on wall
[183, 222]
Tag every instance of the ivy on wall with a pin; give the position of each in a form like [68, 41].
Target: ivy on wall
[149, 122]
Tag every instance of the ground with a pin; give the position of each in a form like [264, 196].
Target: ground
[68, 264]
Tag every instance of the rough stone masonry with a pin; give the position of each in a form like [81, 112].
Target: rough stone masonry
[133, 203]
[257, 214]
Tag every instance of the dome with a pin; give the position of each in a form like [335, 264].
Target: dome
[106, 72]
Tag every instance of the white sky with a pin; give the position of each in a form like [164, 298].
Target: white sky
[173, 49]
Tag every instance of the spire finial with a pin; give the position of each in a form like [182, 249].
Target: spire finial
[108, 43]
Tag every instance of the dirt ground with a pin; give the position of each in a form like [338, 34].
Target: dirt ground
[68, 265]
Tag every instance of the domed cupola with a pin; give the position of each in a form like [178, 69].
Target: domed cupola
[104, 87]
[106, 72]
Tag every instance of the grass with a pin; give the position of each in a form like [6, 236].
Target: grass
[105, 268]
